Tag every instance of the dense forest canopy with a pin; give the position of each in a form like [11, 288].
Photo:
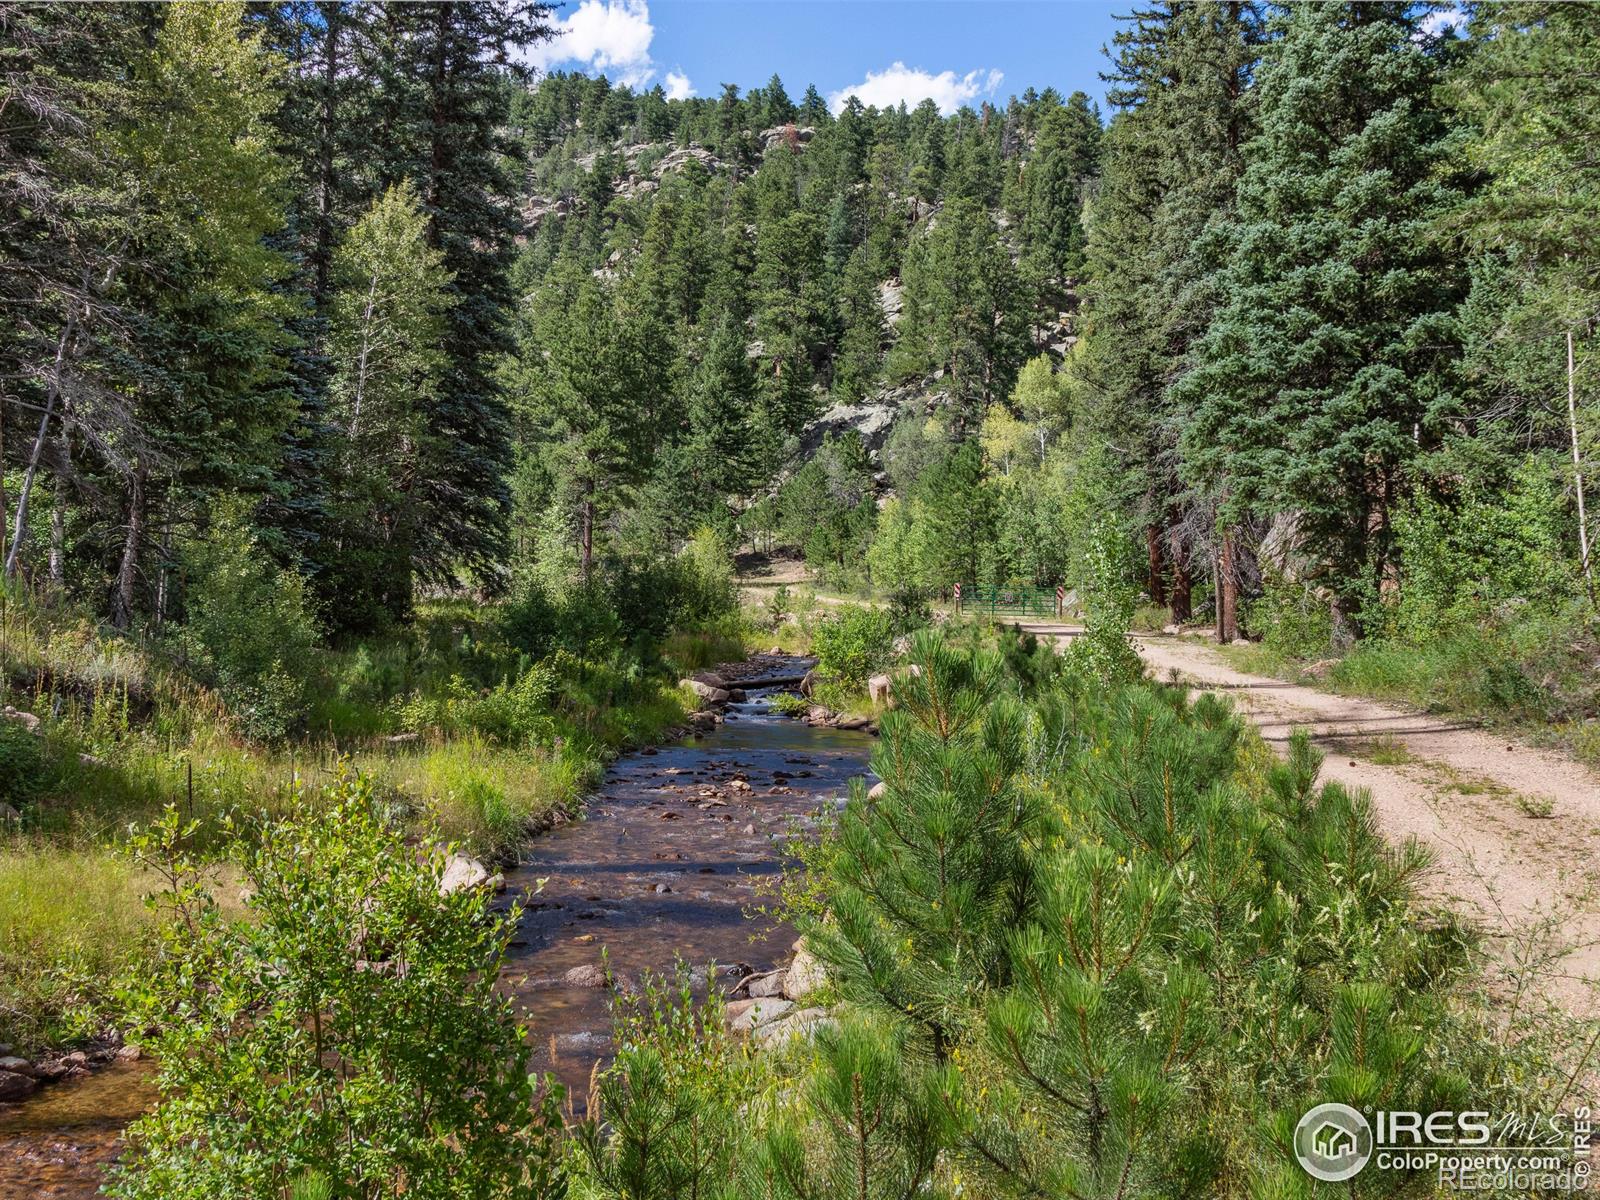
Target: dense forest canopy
[1292, 313]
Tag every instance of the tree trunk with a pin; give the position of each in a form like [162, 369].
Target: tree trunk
[586, 529]
[52, 394]
[1227, 592]
[1182, 587]
[122, 600]
[58, 530]
[322, 247]
[3, 523]
[1158, 584]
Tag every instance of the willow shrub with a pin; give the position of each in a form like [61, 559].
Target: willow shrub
[345, 1038]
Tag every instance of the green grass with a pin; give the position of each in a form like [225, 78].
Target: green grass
[1535, 677]
[71, 923]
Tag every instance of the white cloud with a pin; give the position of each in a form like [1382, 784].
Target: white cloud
[885, 89]
[1443, 20]
[612, 36]
[678, 86]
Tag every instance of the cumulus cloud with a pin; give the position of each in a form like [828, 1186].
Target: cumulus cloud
[678, 86]
[1443, 20]
[611, 36]
[886, 89]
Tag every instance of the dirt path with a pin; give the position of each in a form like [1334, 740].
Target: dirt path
[1470, 795]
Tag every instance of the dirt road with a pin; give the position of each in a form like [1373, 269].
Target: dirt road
[1473, 797]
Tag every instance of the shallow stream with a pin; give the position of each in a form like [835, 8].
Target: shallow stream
[668, 864]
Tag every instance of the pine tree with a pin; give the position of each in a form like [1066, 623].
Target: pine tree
[440, 74]
[387, 318]
[713, 461]
[1314, 389]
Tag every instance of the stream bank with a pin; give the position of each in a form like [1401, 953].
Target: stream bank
[676, 846]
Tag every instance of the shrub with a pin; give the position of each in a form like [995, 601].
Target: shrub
[662, 1120]
[24, 769]
[1109, 947]
[254, 626]
[852, 642]
[350, 1030]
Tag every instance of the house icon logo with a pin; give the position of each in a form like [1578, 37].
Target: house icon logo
[1333, 1142]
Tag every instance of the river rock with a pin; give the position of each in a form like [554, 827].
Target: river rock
[879, 689]
[15, 1086]
[587, 976]
[818, 715]
[709, 693]
[803, 1023]
[770, 984]
[18, 1066]
[461, 871]
[710, 679]
[26, 719]
[855, 722]
[745, 1015]
[804, 976]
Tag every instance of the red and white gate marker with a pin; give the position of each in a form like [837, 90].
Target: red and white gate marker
[958, 597]
[1061, 600]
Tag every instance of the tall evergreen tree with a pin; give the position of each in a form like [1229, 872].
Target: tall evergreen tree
[1331, 366]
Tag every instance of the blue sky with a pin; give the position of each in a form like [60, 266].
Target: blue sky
[884, 50]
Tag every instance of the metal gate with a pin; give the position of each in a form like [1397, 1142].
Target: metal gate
[996, 602]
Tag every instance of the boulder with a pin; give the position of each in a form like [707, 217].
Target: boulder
[818, 715]
[854, 722]
[17, 1066]
[708, 693]
[587, 976]
[770, 984]
[746, 1015]
[26, 719]
[804, 976]
[710, 679]
[876, 791]
[462, 871]
[879, 689]
[803, 1023]
[15, 1087]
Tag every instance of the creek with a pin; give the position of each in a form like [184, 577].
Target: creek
[678, 848]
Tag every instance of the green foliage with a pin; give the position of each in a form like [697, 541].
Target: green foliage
[254, 628]
[853, 642]
[665, 1119]
[1482, 557]
[24, 766]
[1103, 652]
[374, 1051]
[1099, 943]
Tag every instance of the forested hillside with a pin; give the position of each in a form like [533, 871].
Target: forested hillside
[1289, 321]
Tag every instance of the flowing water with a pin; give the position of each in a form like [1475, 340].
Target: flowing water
[667, 865]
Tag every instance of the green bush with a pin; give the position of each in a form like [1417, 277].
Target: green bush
[24, 767]
[1291, 619]
[351, 1029]
[852, 642]
[254, 627]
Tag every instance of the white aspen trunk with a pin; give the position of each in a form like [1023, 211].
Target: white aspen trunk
[1577, 471]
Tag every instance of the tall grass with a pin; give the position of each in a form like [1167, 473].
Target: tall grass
[71, 923]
